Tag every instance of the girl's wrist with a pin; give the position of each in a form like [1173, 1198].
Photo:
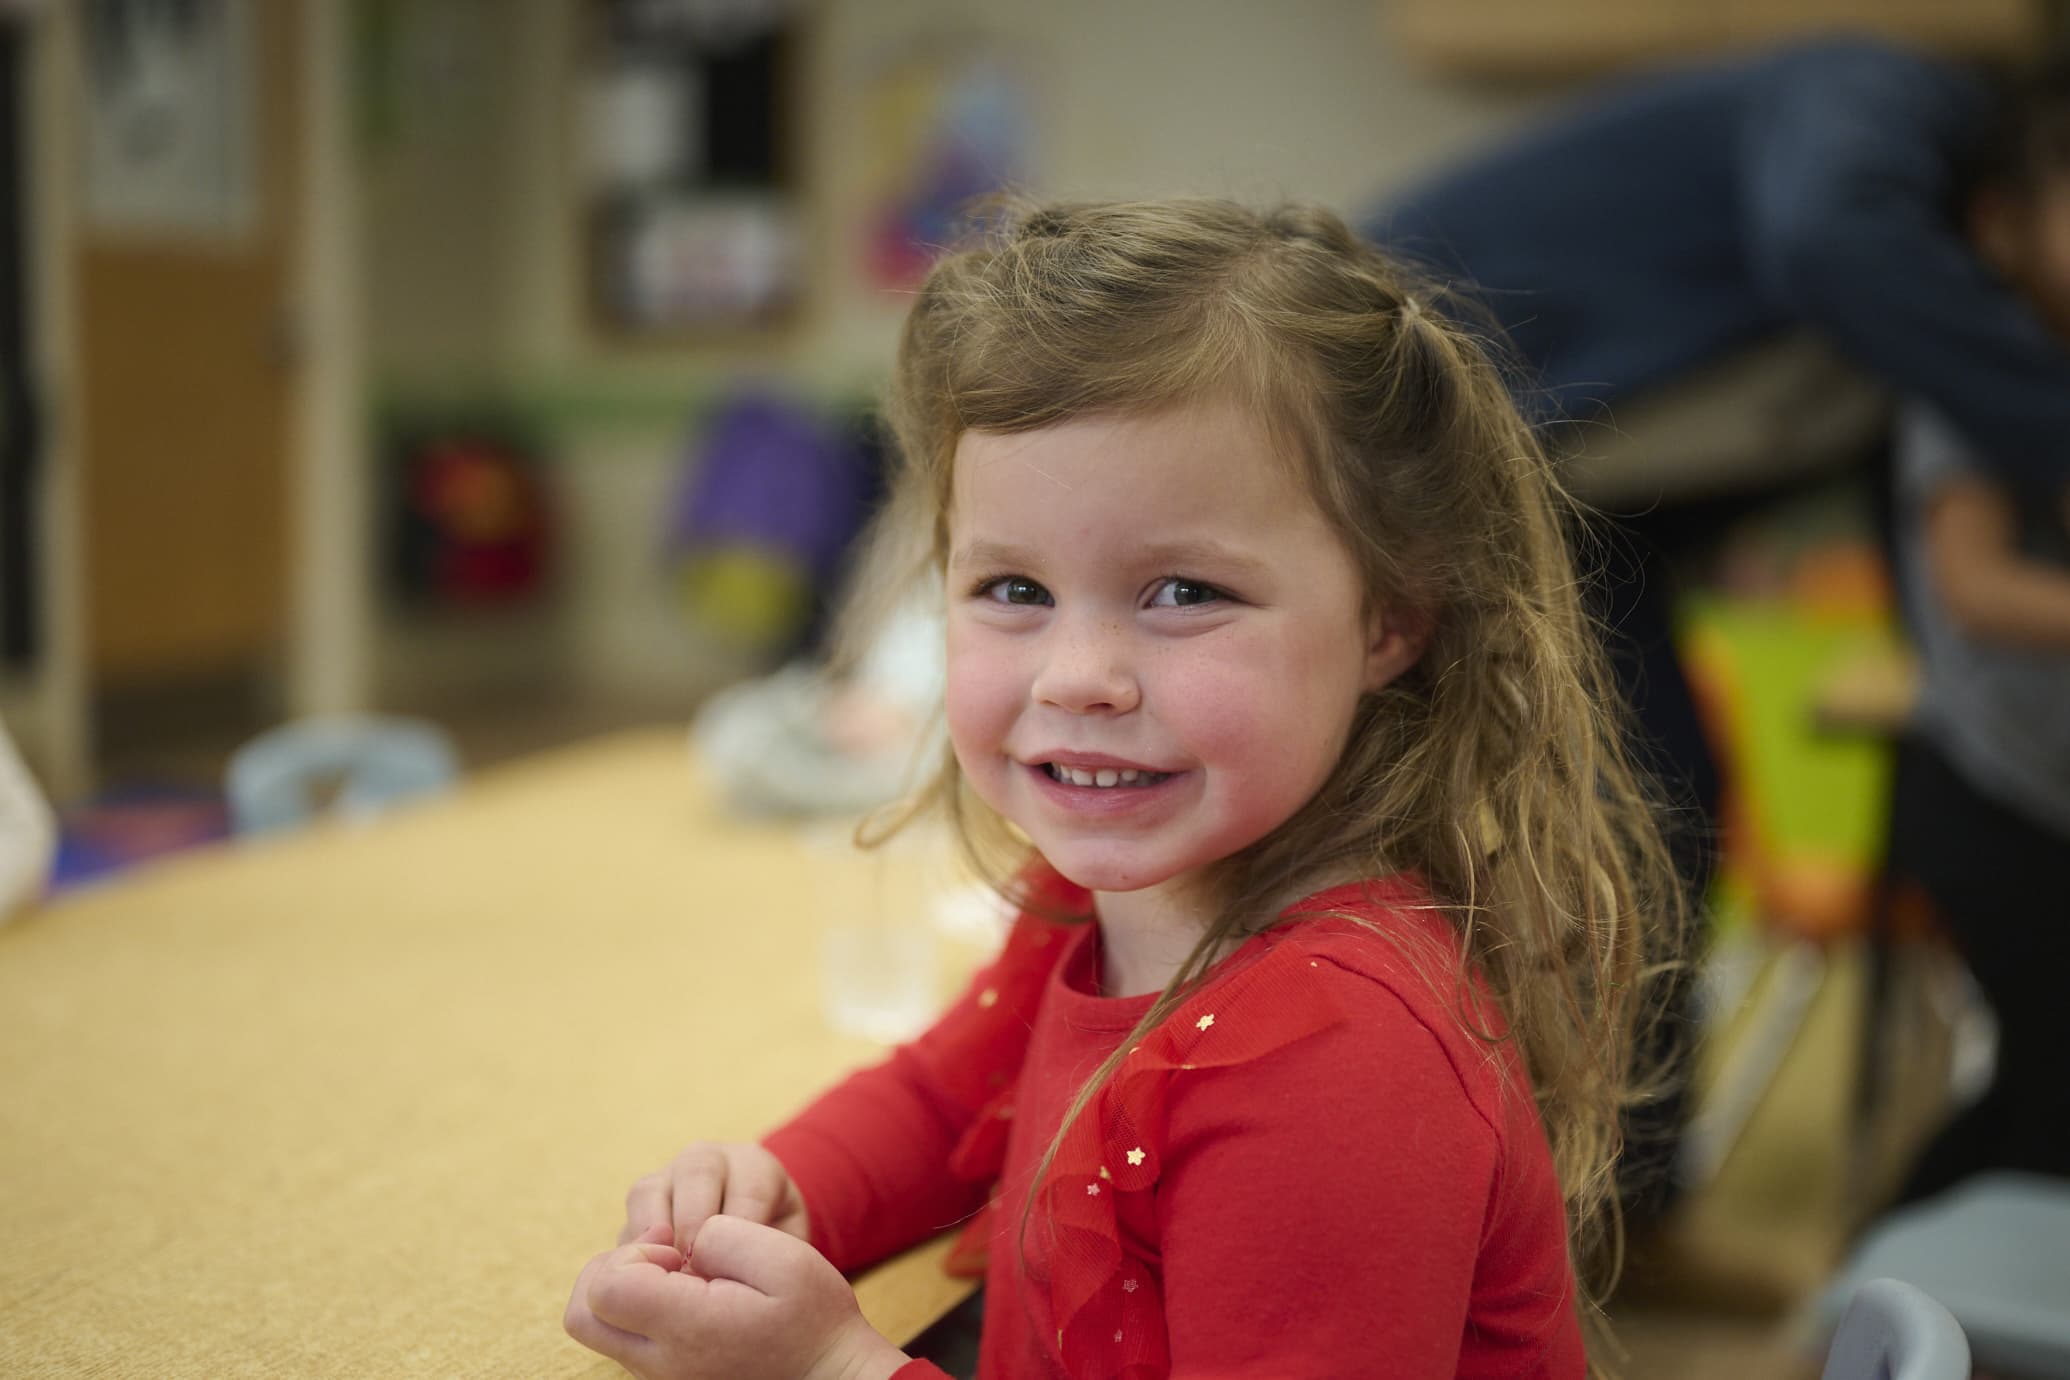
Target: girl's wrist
[863, 1354]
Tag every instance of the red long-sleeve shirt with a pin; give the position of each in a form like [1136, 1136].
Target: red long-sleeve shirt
[1310, 1168]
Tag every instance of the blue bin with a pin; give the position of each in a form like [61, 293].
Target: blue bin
[349, 766]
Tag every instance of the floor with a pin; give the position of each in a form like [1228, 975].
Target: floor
[1715, 1295]
[1718, 1294]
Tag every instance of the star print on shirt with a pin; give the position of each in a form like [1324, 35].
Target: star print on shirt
[1136, 1155]
[1092, 1190]
[1205, 1021]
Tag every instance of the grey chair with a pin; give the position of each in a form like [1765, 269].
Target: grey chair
[1895, 1331]
[1994, 1251]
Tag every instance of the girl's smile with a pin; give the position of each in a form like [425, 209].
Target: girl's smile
[1105, 792]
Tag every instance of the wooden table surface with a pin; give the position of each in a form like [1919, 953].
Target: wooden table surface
[359, 1101]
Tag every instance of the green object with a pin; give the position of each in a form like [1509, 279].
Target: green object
[1807, 795]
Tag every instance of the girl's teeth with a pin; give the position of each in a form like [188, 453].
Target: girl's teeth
[1104, 777]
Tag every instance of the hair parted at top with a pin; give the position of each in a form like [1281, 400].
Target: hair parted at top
[1496, 768]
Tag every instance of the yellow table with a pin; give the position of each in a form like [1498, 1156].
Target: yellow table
[360, 1101]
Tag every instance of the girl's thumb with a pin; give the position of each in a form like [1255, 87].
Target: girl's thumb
[746, 1252]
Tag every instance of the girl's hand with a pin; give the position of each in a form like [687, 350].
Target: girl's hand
[708, 1178]
[750, 1303]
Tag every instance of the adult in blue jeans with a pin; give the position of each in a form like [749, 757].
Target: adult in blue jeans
[1669, 222]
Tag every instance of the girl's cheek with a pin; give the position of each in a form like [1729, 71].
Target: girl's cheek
[962, 719]
[979, 720]
[978, 699]
[1219, 692]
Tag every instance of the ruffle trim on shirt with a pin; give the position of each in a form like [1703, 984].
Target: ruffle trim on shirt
[1109, 1304]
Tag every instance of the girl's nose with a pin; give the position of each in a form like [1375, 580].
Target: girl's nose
[1086, 671]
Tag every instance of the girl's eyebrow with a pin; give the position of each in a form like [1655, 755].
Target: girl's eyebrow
[1178, 556]
[992, 554]
[1221, 559]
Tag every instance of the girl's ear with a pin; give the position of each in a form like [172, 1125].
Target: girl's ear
[1395, 638]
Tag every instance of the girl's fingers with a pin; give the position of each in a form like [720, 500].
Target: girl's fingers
[628, 1349]
[795, 1223]
[752, 1191]
[699, 1186]
[750, 1253]
[659, 1254]
[646, 1205]
[638, 1291]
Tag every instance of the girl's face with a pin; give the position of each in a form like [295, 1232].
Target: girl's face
[1156, 642]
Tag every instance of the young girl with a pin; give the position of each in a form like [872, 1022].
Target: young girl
[1270, 698]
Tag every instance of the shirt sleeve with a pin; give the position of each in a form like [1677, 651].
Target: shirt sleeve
[1849, 160]
[871, 1156]
[1323, 1209]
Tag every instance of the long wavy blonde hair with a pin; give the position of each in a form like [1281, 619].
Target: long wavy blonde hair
[1497, 767]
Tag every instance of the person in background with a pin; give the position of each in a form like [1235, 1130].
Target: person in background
[1272, 705]
[1670, 221]
[1981, 812]
[28, 834]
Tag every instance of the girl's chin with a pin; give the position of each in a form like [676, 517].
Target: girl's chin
[1105, 874]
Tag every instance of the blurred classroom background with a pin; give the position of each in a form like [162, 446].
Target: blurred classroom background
[507, 364]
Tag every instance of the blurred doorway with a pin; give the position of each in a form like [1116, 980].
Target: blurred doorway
[20, 451]
[187, 359]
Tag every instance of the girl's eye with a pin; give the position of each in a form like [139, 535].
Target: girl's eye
[1013, 589]
[1178, 593]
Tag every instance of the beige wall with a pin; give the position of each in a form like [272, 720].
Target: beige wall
[1261, 102]
[438, 167]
